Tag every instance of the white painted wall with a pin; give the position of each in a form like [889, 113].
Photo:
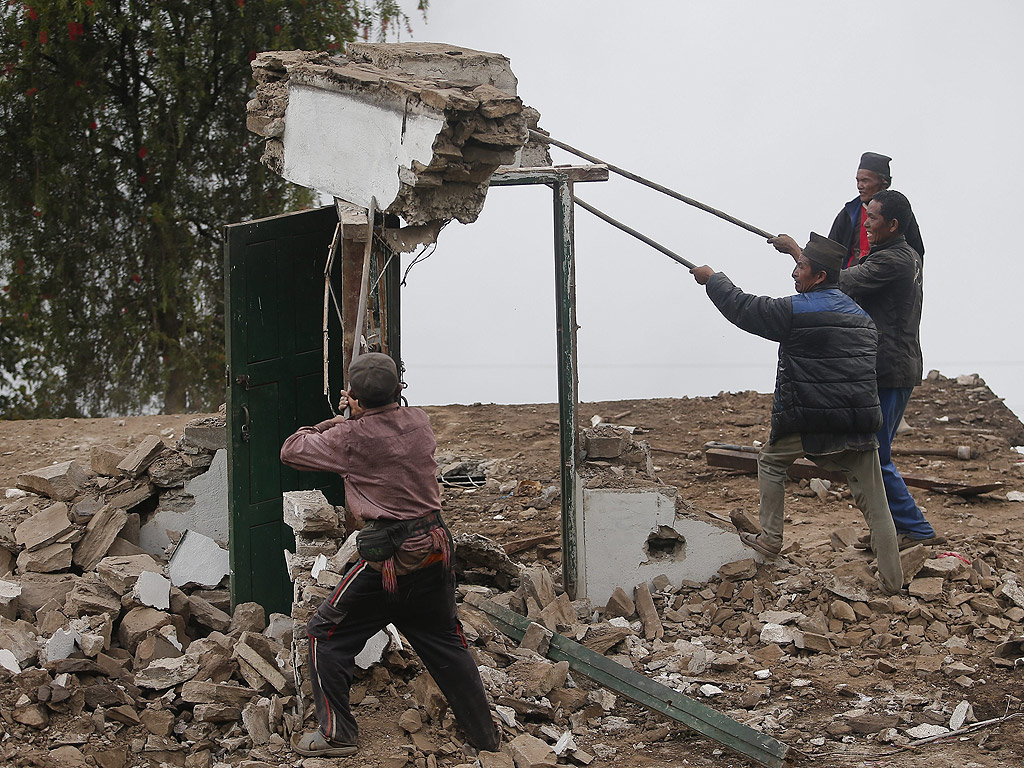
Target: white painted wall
[350, 146]
[612, 529]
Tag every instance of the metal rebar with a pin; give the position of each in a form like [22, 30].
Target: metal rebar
[629, 230]
[652, 184]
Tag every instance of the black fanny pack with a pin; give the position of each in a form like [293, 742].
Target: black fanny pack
[379, 540]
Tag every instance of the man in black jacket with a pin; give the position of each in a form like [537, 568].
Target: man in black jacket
[848, 229]
[826, 402]
[888, 284]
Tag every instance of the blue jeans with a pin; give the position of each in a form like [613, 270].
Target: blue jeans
[905, 513]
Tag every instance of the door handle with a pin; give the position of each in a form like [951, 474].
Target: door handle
[245, 424]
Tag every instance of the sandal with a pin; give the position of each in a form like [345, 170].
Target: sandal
[754, 542]
[315, 744]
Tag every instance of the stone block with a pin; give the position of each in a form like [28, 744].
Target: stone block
[19, 637]
[43, 528]
[165, 673]
[208, 434]
[154, 646]
[257, 651]
[537, 639]
[99, 535]
[256, 720]
[37, 589]
[90, 596]
[619, 604]
[49, 559]
[136, 462]
[247, 617]
[10, 595]
[538, 676]
[530, 752]
[558, 613]
[605, 442]
[205, 692]
[121, 573]
[105, 458]
[309, 512]
[600, 638]
[138, 623]
[61, 481]
[648, 613]
[207, 615]
[929, 588]
[739, 570]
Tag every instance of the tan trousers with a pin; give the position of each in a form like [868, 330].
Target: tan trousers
[864, 475]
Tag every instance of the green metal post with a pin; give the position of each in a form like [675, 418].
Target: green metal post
[565, 306]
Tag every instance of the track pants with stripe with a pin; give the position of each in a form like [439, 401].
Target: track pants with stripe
[424, 612]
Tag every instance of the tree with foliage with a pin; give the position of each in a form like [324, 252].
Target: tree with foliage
[124, 154]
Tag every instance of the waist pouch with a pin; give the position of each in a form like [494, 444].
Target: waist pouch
[379, 540]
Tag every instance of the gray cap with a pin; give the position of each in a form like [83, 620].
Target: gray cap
[373, 377]
[824, 252]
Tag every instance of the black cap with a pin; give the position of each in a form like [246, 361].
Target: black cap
[872, 161]
[373, 378]
[826, 253]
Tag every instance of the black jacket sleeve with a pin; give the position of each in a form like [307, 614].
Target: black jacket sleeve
[760, 315]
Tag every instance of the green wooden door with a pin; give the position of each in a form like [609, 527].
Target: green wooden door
[274, 317]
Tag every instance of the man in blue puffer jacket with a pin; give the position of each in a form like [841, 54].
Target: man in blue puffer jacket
[826, 399]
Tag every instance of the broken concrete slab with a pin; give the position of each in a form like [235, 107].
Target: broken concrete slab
[61, 481]
[90, 596]
[209, 433]
[152, 589]
[198, 560]
[165, 673]
[10, 595]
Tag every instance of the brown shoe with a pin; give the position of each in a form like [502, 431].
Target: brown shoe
[315, 744]
[757, 543]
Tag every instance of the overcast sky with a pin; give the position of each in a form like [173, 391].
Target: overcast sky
[761, 110]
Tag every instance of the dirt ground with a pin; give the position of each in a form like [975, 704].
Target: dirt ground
[522, 443]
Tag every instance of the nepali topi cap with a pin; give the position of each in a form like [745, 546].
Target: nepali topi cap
[826, 253]
[872, 161]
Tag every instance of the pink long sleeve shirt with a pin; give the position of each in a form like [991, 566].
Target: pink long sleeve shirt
[385, 455]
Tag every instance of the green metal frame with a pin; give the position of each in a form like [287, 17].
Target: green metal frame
[561, 181]
[644, 691]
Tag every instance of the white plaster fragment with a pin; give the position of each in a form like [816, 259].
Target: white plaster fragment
[198, 560]
[61, 644]
[776, 633]
[373, 650]
[319, 565]
[153, 590]
[9, 662]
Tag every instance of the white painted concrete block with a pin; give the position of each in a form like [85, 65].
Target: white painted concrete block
[61, 645]
[199, 560]
[9, 662]
[614, 548]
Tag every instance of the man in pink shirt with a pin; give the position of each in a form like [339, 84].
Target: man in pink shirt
[385, 453]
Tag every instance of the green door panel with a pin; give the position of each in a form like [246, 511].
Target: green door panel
[274, 317]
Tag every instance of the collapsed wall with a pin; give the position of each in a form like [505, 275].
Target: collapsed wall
[418, 127]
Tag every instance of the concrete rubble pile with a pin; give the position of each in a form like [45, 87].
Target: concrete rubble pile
[450, 116]
[114, 652]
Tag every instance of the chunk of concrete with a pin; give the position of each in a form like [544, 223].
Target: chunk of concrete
[198, 560]
[208, 433]
[61, 481]
[165, 673]
[90, 596]
[60, 645]
[309, 512]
